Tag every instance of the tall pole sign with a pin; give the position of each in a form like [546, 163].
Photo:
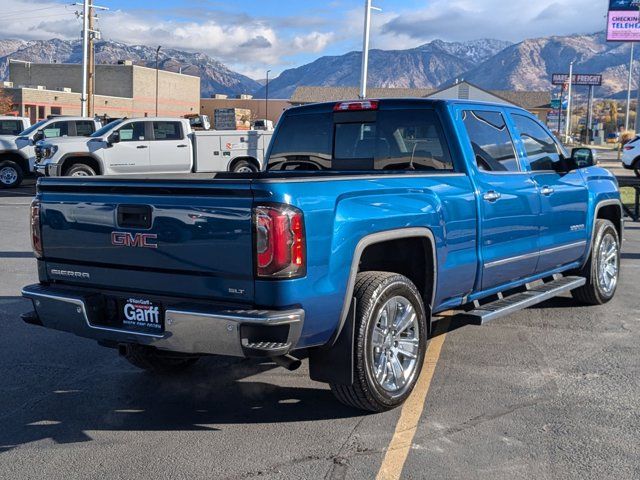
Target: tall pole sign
[623, 25]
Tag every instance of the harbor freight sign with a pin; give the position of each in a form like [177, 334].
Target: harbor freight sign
[578, 79]
[623, 21]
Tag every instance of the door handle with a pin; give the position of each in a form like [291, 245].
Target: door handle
[546, 191]
[142, 146]
[492, 196]
[182, 146]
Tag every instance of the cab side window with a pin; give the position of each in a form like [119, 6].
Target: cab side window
[84, 128]
[10, 127]
[540, 147]
[167, 131]
[132, 132]
[491, 141]
[56, 129]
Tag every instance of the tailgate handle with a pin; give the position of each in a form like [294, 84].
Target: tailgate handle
[134, 216]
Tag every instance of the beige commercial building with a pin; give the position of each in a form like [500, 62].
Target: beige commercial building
[257, 106]
[537, 103]
[122, 90]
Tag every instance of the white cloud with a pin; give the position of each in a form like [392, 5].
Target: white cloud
[515, 20]
[246, 44]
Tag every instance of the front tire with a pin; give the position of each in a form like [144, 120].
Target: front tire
[80, 170]
[11, 174]
[157, 361]
[390, 342]
[603, 267]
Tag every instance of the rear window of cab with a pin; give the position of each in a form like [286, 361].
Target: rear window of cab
[408, 139]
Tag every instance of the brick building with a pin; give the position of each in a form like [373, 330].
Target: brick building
[123, 90]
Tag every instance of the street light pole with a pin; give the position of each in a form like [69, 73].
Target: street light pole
[568, 122]
[266, 98]
[628, 110]
[157, 76]
[365, 48]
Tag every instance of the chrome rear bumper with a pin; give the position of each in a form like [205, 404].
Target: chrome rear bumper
[188, 328]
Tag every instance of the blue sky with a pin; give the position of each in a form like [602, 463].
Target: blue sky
[251, 36]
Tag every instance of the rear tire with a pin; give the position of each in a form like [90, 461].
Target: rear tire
[390, 342]
[80, 170]
[11, 174]
[244, 166]
[157, 361]
[603, 267]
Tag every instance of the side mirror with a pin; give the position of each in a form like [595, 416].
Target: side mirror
[114, 138]
[39, 135]
[583, 157]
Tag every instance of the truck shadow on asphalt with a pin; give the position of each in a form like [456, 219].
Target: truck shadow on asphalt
[26, 190]
[58, 398]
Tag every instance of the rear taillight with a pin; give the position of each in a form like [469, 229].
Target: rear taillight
[279, 242]
[36, 237]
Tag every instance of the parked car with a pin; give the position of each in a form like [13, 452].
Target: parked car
[631, 156]
[262, 124]
[372, 218]
[18, 153]
[153, 146]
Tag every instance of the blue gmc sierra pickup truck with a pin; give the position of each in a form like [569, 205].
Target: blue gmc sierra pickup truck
[369, 219]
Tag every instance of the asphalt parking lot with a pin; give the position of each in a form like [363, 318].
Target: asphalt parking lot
[552, 392]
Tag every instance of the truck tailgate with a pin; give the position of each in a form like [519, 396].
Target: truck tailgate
[173, 237]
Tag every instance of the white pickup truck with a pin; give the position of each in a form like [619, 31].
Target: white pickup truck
[153, 146]
[18, 140]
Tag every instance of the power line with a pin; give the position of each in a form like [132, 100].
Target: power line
[39, 16]
[19, 12]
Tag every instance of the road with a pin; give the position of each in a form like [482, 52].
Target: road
[552, 392]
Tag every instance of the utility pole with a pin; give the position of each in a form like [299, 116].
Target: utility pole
[266, 97]
[91, 63]
[85, 59]
[628, 110]
[89, 34]
[365, 47]
[568, 122]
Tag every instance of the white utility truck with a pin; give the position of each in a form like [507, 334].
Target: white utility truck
[17, 147]
[153, 146]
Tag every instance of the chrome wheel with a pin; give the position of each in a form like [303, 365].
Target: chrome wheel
[244, 170]
[80, 173]
[8, 175]
[608, 266]
[394, 345]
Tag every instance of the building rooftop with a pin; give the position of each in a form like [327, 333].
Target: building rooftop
[524, 99]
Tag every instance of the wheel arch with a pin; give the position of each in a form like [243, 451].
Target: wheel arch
[17, 157]
[609, 210]
[369, 243]
[236, 160]
[88, 159]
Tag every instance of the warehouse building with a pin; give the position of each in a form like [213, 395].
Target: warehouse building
[538, 103]
[122, 90]
[257, 106]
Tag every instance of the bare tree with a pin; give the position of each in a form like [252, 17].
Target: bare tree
[6, 102]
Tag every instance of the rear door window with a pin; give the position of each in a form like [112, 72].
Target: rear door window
[10, 127]
[491, 141]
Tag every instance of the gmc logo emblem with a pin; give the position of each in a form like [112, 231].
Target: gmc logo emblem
[126, 239]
